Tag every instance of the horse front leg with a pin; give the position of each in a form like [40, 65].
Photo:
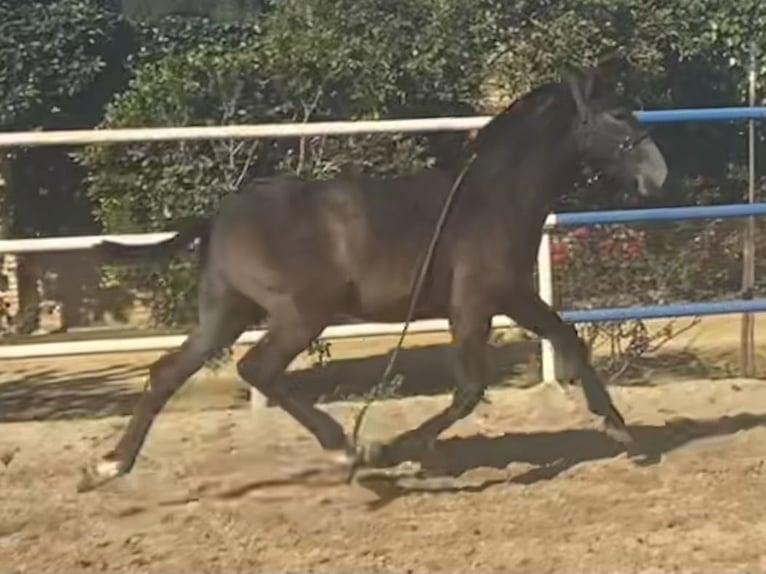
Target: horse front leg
[529, 311]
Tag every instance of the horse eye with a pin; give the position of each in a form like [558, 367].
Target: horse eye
[621, 115]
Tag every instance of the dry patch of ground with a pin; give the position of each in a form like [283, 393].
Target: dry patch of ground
[526, 484]
[529, 485]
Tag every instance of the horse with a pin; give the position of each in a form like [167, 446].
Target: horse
[300, 253]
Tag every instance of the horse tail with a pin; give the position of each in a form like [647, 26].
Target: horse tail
[190, 229]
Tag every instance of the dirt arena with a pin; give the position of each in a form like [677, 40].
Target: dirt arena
[526, 484]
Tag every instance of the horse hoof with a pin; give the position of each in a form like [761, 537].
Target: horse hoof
[619, 434]
[97, 475]
[108, 469]
[373, 455]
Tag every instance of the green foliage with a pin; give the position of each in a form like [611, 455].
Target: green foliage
[550, 37]
[340, 66]
[140, 187]
[380, 58]
[219, 10]
[60, 63]
[733, 27]
[63, 62]
[176, 36]
[375, 59]
[143, 185]
[58, 59]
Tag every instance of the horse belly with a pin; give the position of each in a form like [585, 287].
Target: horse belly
[384, 295]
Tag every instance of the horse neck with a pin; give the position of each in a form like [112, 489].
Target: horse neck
[521, 179]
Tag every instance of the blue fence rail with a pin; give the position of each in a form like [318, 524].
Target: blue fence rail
[589, 218]
[700, 115]
[612, 217]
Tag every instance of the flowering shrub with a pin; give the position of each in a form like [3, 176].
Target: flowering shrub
[621, 265]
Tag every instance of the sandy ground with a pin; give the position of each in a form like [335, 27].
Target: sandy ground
[526, 484]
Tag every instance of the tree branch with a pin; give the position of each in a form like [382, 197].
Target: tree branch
[308, 110]
[246, 167]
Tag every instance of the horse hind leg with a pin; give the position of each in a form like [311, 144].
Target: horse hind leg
[224, 315]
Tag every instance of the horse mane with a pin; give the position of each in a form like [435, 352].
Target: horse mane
[507, 123]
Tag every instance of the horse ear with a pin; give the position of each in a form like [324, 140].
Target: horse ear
[605, 73]
[587, 84]
[590, 83]
[608, 65]
[581, 87]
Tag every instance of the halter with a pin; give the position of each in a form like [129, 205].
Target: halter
[585, 133]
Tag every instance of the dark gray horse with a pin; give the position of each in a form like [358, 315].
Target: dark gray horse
[303, 253]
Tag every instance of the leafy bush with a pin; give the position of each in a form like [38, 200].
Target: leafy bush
[347, 63]
[177, 35]
[648, 264]
[56, 57]
[60, 62]
[140, 187]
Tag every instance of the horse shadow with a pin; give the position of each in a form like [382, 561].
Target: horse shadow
[552, 453]
[51, 394]
[427, 371]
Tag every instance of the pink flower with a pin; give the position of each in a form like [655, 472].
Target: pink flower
[581, 233]
[606, 247]
[632, 249]
[559, 254]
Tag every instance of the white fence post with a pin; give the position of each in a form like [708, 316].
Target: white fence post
[545, 290]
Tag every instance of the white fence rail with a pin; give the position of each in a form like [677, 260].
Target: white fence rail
[77, 242]
[282, 130]
[164, 342]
